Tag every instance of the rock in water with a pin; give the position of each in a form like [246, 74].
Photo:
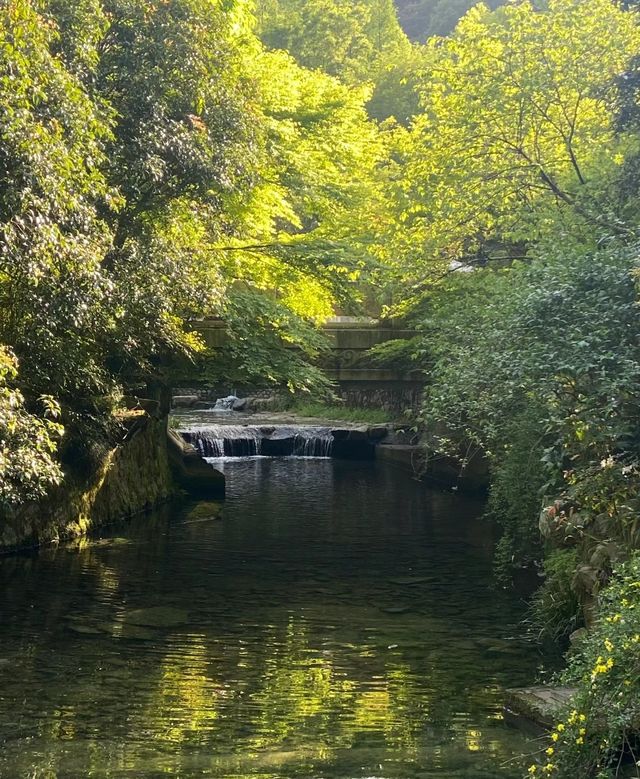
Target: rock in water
[123, 630]
[225, 404]
[396, 609]
[157, 617]
[205, 510]
[85, 630]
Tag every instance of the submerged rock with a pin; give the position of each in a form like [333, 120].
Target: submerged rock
[108, 542]
[396, 609]
[205, 510]
[85, 630]
[157, 616]
[123, 630]
[408, 580]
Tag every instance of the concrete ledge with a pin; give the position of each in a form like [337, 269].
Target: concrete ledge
[191, 471]
[406, 455]
[538, 705]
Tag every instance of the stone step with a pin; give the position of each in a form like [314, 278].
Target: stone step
[539, 705]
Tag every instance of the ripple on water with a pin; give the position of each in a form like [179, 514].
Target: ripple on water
[338, 623]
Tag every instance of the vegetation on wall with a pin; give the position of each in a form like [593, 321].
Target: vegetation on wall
[600, 725]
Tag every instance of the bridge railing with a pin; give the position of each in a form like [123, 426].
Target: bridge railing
[350, 341]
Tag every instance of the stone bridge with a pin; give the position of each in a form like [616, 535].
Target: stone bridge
[359, 383]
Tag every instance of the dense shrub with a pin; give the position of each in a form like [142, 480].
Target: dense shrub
[539, 366]
[555, 608]
[600, 727]
[27, 443]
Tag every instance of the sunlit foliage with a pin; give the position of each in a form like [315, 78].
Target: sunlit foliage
[422, 19]
[158, 165]
[516, 142]
[27, 442]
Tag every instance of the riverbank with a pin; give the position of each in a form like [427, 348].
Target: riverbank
[132, 476]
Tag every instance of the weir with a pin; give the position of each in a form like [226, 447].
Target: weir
[250, 441]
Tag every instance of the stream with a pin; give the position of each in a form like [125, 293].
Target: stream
[339, 621]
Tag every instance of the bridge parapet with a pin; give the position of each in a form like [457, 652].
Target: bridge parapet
[360, 383]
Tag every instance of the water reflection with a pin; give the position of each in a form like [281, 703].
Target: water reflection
[338, 622]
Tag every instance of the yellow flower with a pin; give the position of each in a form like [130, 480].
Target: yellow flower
[580, 740]
[608, 645]
[533, 769]
[582, 731]
[550, 751]
[600, 668]
[561, 727]
[582, 718]
[554, 736]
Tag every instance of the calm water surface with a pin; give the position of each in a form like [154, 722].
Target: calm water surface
[338, 622]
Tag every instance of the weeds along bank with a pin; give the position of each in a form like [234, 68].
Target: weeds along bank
[598, 734]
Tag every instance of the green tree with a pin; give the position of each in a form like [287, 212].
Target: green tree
[342, 38]
[27, 443]
[53, 291]
[516, 139]
[538, 366]
[303, 238]
[158, 165]
[359, 42]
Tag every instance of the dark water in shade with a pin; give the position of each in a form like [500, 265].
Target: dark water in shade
[341, 624]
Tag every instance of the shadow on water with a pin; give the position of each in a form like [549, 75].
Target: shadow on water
[338, 622]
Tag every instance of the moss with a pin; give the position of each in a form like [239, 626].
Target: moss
[130, 478]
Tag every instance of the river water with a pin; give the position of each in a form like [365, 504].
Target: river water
[338, 622]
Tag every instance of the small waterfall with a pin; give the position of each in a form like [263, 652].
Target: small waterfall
[272, 441]
[225, 404]
[313, 442]
[226, 441]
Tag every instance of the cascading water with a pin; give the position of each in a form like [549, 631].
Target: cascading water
[225, 404]
[313, 442]
[247, 441]
[226, 441]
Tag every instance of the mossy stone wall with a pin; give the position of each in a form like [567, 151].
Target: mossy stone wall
[132, 477]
